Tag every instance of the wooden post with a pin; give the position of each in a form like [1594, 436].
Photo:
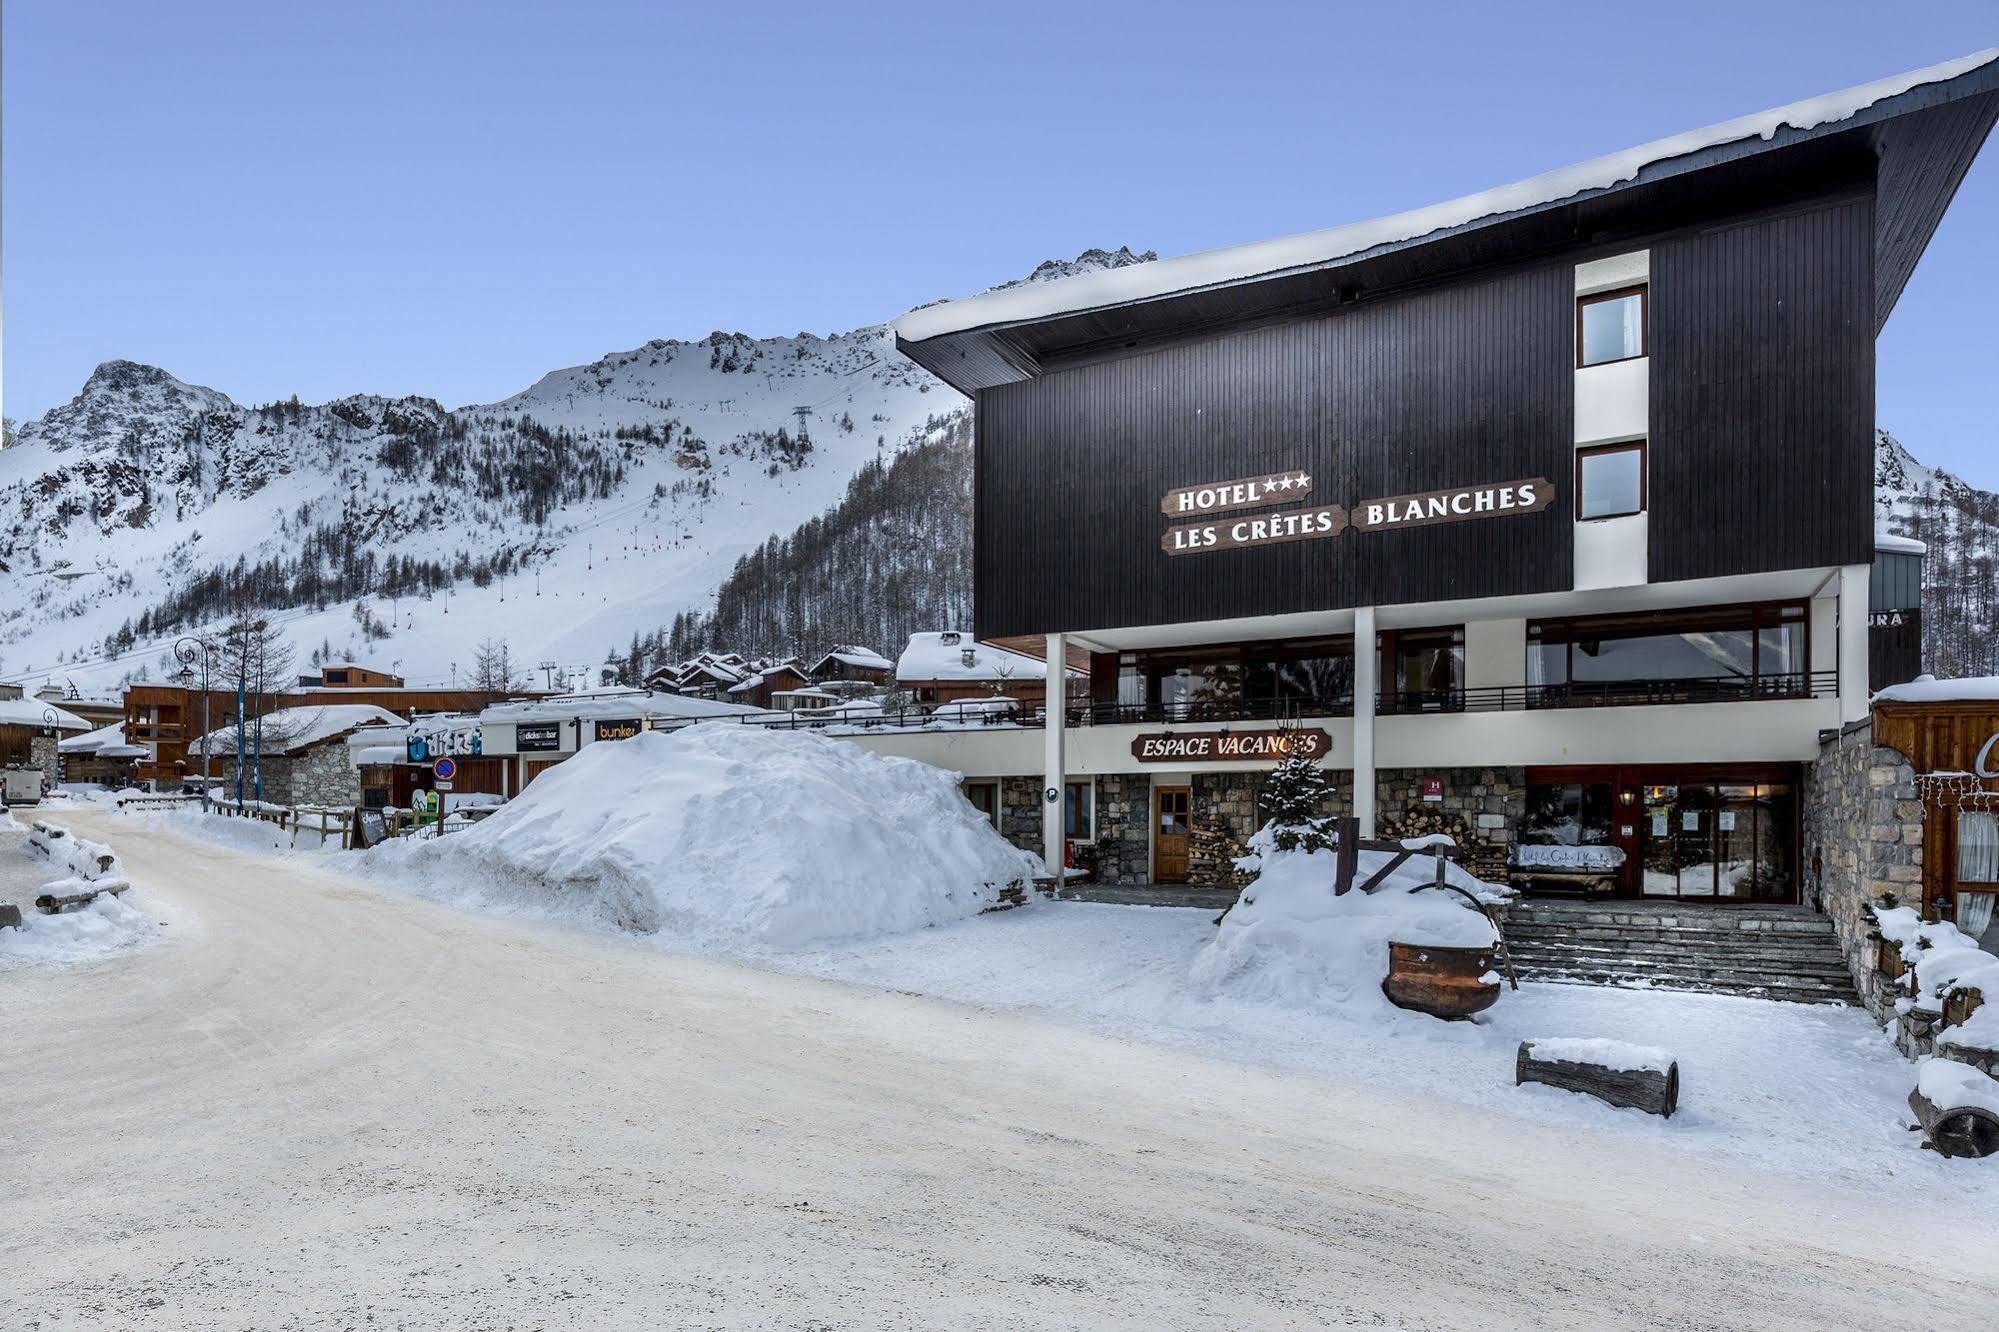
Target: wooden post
[1346, 857]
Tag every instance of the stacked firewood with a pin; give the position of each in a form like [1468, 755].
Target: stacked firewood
[1212, 851]
[1483, 859]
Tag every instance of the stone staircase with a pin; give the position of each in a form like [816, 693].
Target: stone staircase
[1766, 952]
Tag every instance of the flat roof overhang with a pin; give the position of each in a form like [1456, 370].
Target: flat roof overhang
[1915, 147]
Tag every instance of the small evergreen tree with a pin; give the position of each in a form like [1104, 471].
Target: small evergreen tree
[1294, 798]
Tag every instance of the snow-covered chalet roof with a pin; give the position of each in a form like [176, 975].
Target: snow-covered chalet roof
[293, 730]
[613, 703]
[97, 741]
[1929, 689]
[35, 712]
[930, 656]
[860, 658]
[1867, 103]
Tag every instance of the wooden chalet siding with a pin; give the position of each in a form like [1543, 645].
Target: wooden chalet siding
[1455, 385]
[1939, 737]
[1762, 394]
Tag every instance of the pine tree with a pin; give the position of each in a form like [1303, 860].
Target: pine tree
[1294, 799]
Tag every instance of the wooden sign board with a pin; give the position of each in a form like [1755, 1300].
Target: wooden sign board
[1264, 745]
[1495, 499]
[1265, 529]
[1246, 493]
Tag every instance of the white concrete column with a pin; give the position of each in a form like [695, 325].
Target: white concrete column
[1853, 601]
[1366, 679]
[1054, 769]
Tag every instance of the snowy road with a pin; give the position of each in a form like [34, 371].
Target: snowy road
[315, 1103]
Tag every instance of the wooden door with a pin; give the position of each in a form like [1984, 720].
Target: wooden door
[1171, 811]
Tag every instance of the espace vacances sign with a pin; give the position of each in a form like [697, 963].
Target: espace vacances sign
[1221, 527]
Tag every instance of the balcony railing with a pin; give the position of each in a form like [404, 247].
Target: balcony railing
[1389, 703]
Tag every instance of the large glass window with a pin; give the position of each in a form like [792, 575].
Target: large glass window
[1256, 680]
[1424, 668]
[1568, 814]
[1610, 481]
[1977, 847]
[1707, 654]
[1720, 840]
[1610, 326]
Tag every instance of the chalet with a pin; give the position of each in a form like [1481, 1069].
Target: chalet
[351, 675]
[1545, 514]
[294, 755]
[764, 681]
[30, 731]
[536, 734]
[948, 666]
[102, 757]
[849, 663]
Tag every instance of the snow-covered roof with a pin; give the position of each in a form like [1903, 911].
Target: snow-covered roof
[954, 656]
[95, 741]
[35, 712]
[1929, 689]
[860, 658]
[1316, 249]
[290, 730]
[355, 666]
[612, 703]
[1899, 545]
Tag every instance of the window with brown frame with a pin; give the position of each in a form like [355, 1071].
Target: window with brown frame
[1611, 326]
[1610, 480]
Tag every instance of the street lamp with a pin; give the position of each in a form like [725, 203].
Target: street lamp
[185, 651]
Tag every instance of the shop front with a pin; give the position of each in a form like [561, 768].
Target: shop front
[1715, 833]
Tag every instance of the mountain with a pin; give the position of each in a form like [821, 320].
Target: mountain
[1960, 525]
[593, 506]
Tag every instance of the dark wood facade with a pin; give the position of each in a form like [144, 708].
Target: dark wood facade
[1762, 392]
[1463, 384]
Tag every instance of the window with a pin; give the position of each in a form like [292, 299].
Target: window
[1568, 814]
[1610, 326]
[1706, 654]
[1423, 669]
[1978, 847]
[1610, 480]
[985, 799]
[1078, 811]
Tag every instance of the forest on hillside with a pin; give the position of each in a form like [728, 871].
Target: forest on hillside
[894, 556]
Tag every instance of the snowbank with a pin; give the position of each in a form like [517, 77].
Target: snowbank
[1622, 1056]
[727, 833]
[102, 926]
[1291, 940]
[1950, 1085]
[1929, 689]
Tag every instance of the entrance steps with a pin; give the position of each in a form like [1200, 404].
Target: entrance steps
[1770, 952]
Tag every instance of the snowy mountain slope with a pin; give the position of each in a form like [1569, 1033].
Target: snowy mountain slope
[595, 504]
[1960, 525]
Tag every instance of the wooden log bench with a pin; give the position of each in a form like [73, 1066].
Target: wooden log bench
[1628, 1076]
[1957, 1107]
[75, 893]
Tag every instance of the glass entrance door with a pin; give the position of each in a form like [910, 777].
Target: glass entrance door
[1720, 841]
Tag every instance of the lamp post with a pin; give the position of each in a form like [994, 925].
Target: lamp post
[50, 728]
[185, 651]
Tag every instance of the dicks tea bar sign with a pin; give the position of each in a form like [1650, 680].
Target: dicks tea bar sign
[1259, 746]
[1461, 504]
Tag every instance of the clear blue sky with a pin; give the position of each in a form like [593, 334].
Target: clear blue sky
[451, 199]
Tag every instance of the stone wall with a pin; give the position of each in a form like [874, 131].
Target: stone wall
[322, 775]
[1863, 828]
[43, 754]
[1481, 808]
[1124, 828]
[1020, 812]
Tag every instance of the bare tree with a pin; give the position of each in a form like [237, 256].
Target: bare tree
[256, 659]
[493, 668]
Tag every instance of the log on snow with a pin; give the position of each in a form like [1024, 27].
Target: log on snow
[50, 904]
[1960, 1130]
[1655, 1091]
[10, 916]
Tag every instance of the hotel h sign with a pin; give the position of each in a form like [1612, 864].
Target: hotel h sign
[1219, 526]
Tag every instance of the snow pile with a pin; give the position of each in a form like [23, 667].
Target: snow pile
[1929, 689]
[1290, 940]
[105, 924]
[729, 834]
[1949, 1085]
[1620, 1056]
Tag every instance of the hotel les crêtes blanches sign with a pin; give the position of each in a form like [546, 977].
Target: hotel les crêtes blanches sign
[1221, 527]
